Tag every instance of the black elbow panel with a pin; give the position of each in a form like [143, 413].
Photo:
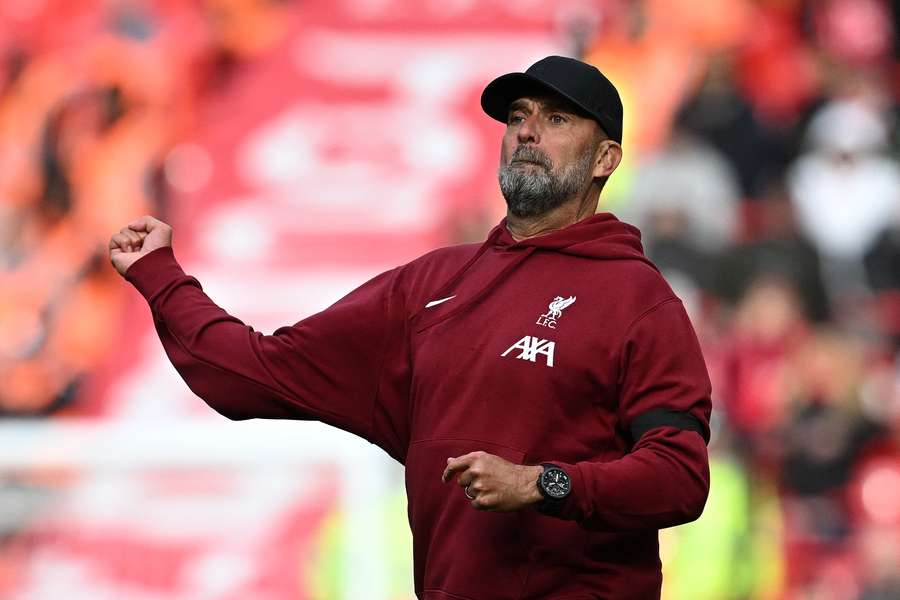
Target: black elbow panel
[662, 417]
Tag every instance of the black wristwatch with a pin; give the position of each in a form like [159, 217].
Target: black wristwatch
[554, 485]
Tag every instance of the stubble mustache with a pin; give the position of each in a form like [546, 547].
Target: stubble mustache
[529, 154]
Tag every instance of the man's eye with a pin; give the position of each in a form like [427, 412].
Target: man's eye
[557, 119]
[515, 119]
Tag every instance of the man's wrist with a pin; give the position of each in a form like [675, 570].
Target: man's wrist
[532, 493]
[154, 271]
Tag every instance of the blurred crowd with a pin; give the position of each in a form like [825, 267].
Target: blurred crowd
[94, 98]
[762, 167]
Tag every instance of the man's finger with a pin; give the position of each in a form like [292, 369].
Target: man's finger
[451, 470]
[484, 502]
[478, 503]
[455, 465]
[145, 224]
[134, 238]
[119, 241]
[465, 479]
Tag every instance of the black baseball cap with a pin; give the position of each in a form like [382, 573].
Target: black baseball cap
[580, 83]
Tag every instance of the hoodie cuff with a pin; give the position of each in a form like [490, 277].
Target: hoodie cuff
[154, 272]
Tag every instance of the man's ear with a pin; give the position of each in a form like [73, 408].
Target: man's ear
[609, 155]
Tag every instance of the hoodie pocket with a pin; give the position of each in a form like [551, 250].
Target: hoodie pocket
[457, 549]
[555, 551]
[556, 555]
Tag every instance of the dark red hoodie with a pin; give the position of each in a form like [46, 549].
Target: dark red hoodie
[461, 350]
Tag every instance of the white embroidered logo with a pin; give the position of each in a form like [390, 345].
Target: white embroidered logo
[441, 301]
[532, 346]
[554, 311]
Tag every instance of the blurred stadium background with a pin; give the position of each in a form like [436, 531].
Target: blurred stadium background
[299, 147]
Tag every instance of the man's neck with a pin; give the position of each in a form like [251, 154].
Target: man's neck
[568, 213]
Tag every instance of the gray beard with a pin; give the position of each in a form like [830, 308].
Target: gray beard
[531, 191]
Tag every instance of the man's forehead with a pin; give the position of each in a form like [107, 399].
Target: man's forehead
[546, 101]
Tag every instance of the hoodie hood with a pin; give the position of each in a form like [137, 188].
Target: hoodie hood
[601, 236]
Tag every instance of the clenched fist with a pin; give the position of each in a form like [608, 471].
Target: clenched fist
[136, 239]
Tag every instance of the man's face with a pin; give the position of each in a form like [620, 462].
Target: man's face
[548, 155]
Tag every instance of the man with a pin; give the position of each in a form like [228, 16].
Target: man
[549, 372]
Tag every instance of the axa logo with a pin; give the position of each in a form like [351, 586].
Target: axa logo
[531, 346]
[554, 311]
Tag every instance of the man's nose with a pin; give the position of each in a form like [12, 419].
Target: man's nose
[529, 131]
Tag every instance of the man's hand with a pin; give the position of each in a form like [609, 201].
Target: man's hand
[136, 239]
[493, 483]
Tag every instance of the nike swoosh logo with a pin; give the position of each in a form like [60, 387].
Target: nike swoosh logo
[441, 301]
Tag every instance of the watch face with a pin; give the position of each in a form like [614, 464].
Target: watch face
[556, 483]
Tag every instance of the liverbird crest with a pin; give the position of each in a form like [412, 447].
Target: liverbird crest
[554, 311]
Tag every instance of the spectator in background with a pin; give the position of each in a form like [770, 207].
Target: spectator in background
[882, 266]
[720, 114]
[826, 429]
[824, 437]
[879, 549]
[774, 247]
[776, 72]
[685, 201]
[858, 33]
[767, 331]
[845, 189]
[655, 50]
[876, 512]
[882, 259]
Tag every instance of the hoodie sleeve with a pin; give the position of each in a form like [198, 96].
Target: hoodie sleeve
[665, 403]
[334, 366]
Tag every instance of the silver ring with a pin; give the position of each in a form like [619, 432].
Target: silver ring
[468, 495]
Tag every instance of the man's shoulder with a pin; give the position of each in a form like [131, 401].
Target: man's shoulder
[422, 276]
[637, 285]
[443, 258]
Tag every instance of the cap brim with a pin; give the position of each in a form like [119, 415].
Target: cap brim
[501, 92]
